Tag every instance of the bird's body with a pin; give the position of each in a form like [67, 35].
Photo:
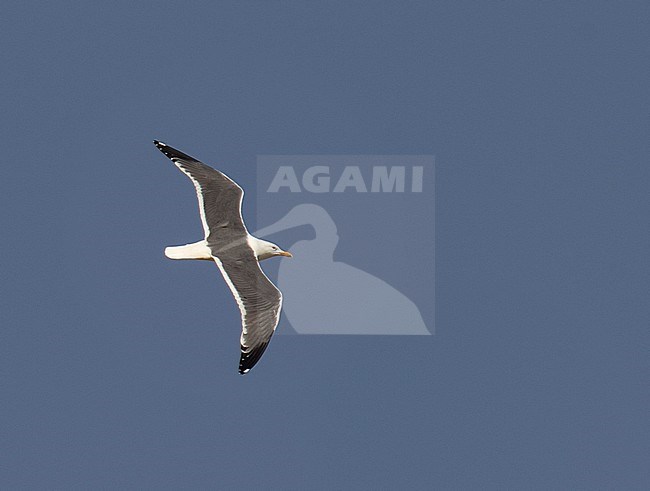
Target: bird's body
[236, 253]
[201, 250]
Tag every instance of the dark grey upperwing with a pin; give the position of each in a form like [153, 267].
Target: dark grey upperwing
[219, 199]
[258, 299]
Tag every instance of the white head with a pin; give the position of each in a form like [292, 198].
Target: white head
[264, 249]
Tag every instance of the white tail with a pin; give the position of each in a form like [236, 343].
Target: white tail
[197, 250]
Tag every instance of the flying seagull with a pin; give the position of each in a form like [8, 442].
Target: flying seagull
[236, 252]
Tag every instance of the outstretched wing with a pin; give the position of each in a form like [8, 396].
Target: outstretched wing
[258, 299]
[219, 197]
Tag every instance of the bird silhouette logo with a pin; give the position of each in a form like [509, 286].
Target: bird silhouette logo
[324, 296]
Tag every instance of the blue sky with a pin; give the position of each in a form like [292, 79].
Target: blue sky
[118, 367]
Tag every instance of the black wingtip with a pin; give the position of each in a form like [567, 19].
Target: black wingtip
[172, 153]
[168, 151]
[249, 359]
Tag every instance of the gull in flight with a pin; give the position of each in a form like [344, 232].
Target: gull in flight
[234, 250]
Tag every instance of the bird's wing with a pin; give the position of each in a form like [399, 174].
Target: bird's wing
[259, 303]
[219, 196]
